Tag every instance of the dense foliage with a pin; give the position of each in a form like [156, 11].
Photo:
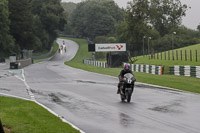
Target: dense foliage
[6, 40]
[146, 26]
[29, 24]
[95, 18]
[149, 25]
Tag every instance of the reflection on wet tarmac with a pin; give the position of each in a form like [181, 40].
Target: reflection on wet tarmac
[125, 120]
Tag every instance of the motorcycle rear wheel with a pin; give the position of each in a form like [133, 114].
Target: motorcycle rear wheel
[122, 98]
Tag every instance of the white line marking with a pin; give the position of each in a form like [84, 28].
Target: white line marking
[34, 100]
[8, 95]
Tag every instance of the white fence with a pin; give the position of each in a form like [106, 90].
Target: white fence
[95, 63]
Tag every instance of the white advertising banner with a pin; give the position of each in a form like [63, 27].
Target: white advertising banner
[110, 47]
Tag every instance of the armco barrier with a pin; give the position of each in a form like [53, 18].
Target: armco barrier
[158, 70]
[20, 63]
[25, 62]
[189, 71]
[95, 63]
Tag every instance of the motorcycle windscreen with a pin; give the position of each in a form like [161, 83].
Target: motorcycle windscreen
[129, 75]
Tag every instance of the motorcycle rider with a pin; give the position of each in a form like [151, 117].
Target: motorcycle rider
[121, 75]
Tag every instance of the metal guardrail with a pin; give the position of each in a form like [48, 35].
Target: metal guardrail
[44, 55]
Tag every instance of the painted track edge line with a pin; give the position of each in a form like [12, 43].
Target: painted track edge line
[51, 111]
[9, 95]
[34, 100]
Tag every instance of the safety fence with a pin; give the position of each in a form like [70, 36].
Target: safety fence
[95, 63]
[190, 71]
[43, 56]
[152, 69]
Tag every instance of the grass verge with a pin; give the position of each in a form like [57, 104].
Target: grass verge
[19, 116]
[179, 82]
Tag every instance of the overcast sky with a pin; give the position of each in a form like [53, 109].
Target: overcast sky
[191, 20]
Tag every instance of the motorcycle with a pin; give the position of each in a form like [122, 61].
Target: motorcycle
[127, 87]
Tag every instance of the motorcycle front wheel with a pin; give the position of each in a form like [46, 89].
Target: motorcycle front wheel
[128, 96]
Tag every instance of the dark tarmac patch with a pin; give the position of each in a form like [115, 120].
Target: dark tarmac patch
[37, 92]
[6, 75]
[55, 98]
[55, 65]
[92, 82]
[4, 89]
[171, 108]
[174, 91]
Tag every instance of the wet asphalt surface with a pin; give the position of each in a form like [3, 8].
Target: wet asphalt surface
[90, 102]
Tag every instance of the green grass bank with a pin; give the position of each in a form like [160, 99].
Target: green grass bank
[20, 116]
[182, 57]
[179, 82]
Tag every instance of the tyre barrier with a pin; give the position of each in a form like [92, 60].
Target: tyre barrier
[2, 60]
[152, 69]
[95, 63]
[189, 71]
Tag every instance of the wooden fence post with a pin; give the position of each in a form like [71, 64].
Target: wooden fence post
[196, 56]
[181, 55]
[168, 55]
[190, 55]
[176, 55]
[157, 55]
[185, 55]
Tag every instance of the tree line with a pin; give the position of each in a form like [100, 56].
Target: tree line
[144, 25]
[29, 24]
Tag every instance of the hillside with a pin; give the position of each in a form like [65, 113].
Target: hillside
[187, 58]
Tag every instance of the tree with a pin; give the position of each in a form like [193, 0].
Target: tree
[137, 21]
[49, 18]
[22, 23]
[166, 15]
[95, 18]
[198, 28]
[6, 40]
[153, 19]
[68, 7]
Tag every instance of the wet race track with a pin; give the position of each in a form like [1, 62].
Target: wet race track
[89, 100]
